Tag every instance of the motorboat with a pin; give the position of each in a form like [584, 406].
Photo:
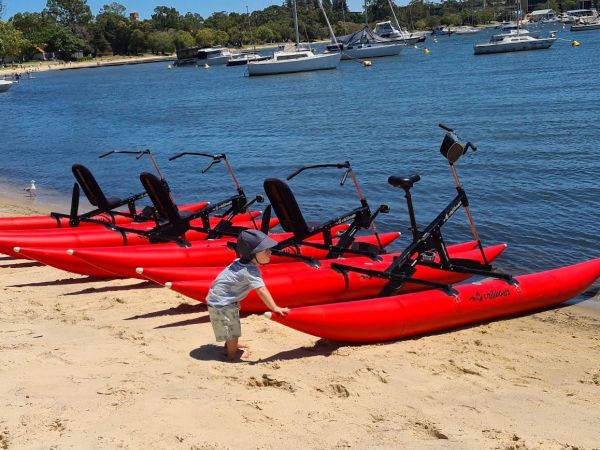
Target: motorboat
[209, 55]
[513, 42]
[585, 26]
[365, 44]
[388, 31]
[214, 55]
[440, 31]
[241, 59]
[397, 33]
[5, 85]
[580, 15]
[295, 59]
[466, 29]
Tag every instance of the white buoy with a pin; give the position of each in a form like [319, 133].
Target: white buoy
[31, 189]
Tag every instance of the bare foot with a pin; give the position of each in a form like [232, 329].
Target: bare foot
[241, 355]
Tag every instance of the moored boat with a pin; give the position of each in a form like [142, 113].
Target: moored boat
[400, 316]
[5, 85]
[513, 42]
[586, 26]
[298, 59]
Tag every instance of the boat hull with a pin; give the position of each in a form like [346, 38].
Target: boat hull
[92, 237]
[372, 51]
[313, 286]
[274, 67]
[586, 27]
[41, 222]
[489, 48]
[5, 85]
[162, 275]
[122, 264]
[383, 319]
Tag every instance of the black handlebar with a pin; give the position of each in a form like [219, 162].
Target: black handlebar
[138, 153]
[215, 158]
[344, 165]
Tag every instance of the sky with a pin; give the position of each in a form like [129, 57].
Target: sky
[145, 7]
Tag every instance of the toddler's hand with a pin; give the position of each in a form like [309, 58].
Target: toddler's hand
[282, 311]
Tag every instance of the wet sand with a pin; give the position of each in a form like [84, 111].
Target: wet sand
[90, 363]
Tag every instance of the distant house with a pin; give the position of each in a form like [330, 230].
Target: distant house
[41, 55]
[541, 14]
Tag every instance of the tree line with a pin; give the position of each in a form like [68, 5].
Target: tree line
[68, 27]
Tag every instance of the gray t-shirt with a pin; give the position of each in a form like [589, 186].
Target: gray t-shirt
[234, 283]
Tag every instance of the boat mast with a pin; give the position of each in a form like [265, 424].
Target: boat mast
[398, 27]
[333, 39]
[394, 15]
[296, 24]
[366, 16]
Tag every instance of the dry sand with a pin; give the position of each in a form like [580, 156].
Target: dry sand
[44, 66]
[123, 364]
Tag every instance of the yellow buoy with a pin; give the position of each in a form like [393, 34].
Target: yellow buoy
[367, 63]
[426, 51]
[575, 43]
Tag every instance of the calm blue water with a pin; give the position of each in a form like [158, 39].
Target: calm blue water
[534, 183]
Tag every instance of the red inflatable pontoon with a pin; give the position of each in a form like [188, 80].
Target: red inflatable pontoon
[44, 222]
[388, 318]
[304, 285]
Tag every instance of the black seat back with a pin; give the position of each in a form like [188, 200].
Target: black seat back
[286, 207]
[90, 187]
[160, 197]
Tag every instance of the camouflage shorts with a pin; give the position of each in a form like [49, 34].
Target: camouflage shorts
[225, 321]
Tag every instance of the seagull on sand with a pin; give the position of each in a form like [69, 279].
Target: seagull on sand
[31, 189]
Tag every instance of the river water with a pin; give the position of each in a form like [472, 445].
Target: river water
[534, 183]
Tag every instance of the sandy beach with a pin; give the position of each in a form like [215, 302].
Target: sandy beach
[126, 364]
[107, 61]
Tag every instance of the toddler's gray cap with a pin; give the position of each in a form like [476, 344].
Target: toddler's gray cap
[251, 241]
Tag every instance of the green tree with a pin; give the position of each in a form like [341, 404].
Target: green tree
[205, 37]
[265, 34]
[221, 37]
[62, 40]
[451, 19]
[165, 18]
[137, 42]
[160, 42]
[116, 30]
[99, 44]
[191, 22]
[69, 12]
[113, 8]
[1, 9]
[34, 26]
[12, 43]
[183, 39]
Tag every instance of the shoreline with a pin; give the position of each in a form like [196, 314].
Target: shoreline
[91, 363]
[111, 61]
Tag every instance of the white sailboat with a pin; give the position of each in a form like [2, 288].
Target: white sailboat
[299, 59]
[363, 44]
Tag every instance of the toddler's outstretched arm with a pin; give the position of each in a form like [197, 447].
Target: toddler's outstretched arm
[267, 299]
